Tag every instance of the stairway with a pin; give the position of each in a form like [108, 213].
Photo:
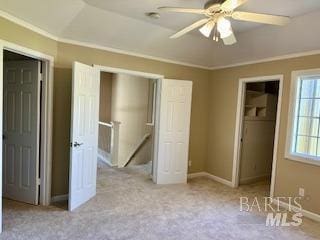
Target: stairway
[143, 147]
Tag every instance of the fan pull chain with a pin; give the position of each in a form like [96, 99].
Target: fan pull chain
[214, 33]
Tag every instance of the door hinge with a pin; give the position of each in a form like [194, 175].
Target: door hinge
[38, 181]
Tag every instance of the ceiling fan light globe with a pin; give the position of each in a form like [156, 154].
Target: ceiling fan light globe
[207, 29]
[205, 32]
[223, 24]
[225, 34]
[224, 27]
[230, 40]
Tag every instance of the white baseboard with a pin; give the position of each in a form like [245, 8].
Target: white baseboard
[254, 179]
[213, 177]
[196, 175]
[305, 213]
[220, 180]
[59, 198]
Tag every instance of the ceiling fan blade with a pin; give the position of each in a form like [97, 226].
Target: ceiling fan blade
[261, 18]
[230, 40]
[230, 5]
[182, 10]
[191, 27]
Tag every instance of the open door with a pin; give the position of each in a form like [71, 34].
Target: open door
[84, 134]
[174, 129]
[21, 107]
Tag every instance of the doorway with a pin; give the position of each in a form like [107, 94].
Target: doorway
[13, 52]
[126, 121]
[171, 130]
[257, 130]
[22, 88]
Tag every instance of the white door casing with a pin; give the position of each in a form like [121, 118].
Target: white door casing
[84, 134]
[174, 130]
[21, 130]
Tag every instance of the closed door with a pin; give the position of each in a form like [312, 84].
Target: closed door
[21, 130]
[84, 134]
[174, 129]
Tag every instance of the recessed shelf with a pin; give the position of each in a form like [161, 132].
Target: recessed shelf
[251, 112]
[261, 112]
[260, 105]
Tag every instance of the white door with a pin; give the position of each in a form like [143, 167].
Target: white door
[84, 134]
[21, 108]
[174, 128]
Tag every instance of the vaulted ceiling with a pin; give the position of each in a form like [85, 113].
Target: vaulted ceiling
[123, 25]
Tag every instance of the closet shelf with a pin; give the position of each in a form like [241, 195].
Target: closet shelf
[260, 105]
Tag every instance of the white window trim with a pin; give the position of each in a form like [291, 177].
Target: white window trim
[291, 118]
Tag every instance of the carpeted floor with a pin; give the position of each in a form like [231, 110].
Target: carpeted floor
[129, 206]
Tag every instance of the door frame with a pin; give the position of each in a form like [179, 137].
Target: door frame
[158, 78]
[46, 113]
[239, 127]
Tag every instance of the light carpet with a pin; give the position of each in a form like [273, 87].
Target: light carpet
[129, 206]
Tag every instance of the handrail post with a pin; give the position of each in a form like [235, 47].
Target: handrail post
[115, 142]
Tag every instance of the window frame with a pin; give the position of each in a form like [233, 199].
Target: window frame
[293, 108]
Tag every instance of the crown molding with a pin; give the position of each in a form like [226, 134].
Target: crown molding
[27, 25]
[129, 53]
[271, 59]
[42, 32]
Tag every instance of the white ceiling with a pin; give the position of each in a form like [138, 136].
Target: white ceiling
[122, 24]
[175, 21]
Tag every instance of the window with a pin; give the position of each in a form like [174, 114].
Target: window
[304, 117]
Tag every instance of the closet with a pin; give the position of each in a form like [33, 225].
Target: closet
[257, 141]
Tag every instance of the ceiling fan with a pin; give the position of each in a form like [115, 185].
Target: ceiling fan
[216, 14]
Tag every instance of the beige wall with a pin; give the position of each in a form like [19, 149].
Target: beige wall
[19, 35]
[105, 97]
[223, 103]
[130, 108]
[105, 111]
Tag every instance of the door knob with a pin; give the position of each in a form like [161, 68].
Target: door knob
[76, 144]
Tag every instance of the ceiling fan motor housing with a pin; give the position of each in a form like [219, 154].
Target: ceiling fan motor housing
[211, 3]
[216, 20]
